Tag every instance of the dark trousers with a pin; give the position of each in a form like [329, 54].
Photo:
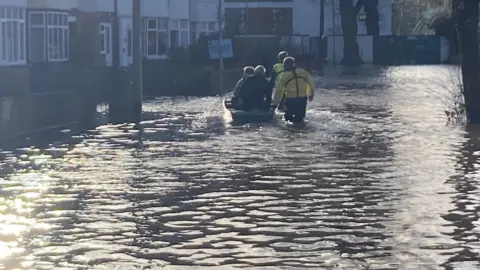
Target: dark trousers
[295, 109]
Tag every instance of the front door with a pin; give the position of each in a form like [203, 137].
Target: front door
[126, 37]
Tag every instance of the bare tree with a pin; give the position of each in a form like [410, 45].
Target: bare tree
[465, 14]
[351, 54]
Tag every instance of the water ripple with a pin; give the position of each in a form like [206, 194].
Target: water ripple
[375, 180]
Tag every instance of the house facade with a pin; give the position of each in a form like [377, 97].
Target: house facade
[295, 17]
[57, 57]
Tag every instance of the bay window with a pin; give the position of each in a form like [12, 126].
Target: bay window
[49, 36]
[156, 38]
[174, 34]
[193, 32]
[184, 30]
[200, 29]
[12, 35]
[211, 27]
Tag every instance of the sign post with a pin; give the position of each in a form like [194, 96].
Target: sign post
[333, 35]
[220, 54]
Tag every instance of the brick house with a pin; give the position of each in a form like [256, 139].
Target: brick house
[57, 57]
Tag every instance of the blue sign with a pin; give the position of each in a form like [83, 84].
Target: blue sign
[227, 49]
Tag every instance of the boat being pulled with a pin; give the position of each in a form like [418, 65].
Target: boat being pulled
[253, 116]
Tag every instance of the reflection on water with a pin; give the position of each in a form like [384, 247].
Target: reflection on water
[374, 180]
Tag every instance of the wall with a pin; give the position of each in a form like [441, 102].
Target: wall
[97, 5]
[178, 9]
[14, 3]
[306, 18]
[125, 8]
[365, 45]
[155, 8]
[204, 10]
[54, 4]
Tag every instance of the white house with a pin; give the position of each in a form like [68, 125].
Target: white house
[203, 17]
[306, 15]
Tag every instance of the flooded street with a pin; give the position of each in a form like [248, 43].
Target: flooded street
[375, 180]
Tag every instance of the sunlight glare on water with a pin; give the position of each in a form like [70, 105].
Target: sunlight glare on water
[374, 180]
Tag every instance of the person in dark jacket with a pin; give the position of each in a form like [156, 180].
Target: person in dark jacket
[237, 91]
[256, 91]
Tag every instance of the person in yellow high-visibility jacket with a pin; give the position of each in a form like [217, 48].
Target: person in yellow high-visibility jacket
[296, 87]
[277, 72]
[278, 68]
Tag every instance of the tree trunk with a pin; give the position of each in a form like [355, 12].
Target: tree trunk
[321, 47]
[465, 13]
[351, 55]
[371, 12]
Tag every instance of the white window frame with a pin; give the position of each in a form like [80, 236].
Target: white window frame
[201, 29]
[14, 17]
[212, 27]
[174, 26]
[161, 26]
[184, 33]
[65, 37]
[61, 25]
[38, 26]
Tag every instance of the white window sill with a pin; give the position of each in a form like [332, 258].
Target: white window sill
[16, 64]
[157, 57]
[57, 60]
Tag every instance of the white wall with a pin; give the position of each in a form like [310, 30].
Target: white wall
[53, 4]
[97, 5]
[155, 8]
[306, 18]
[204, 10]
[178, 9]
[384, 20]
[13, 3]
[365, 46]
[125, 8]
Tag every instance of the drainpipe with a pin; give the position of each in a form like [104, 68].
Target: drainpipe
[137, 62]
[113, 93]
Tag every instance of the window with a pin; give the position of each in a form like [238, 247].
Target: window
[106, 42]
[49, 36]
[37, 51]
[199, 29]
[193, 32]
[174, 34]
[12, 35]
[156, 39]
[211, 27]
[184, 30]
[105, 38]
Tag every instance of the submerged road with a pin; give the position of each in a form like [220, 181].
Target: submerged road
[376, 180]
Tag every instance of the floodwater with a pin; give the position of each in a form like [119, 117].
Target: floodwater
[376, 179]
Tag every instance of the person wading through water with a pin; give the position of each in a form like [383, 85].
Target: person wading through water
[296, 87]
[277, 72]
